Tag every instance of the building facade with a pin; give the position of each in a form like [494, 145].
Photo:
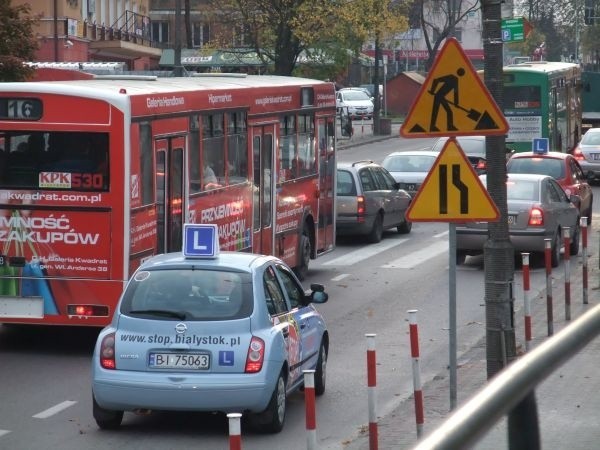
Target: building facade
[95, 31]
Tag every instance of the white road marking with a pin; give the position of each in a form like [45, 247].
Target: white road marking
[414, 259]
[340, 277]
[3, 432]
[439, 235]
[55, 409]
[364, 253]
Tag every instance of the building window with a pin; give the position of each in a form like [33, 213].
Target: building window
[457, 33]
[200, 34]
[160, 31]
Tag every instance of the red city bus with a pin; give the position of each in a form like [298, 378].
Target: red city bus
[98, 175]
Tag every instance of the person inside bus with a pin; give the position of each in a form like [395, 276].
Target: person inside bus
[209, 178]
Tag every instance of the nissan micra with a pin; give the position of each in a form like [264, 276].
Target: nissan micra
[229, 333]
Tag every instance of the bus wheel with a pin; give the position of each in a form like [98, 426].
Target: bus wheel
[304, 252]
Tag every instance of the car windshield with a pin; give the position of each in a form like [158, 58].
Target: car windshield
[409, 163]
[345, 183]
[186, 294]
[591, 138]
[543, 166]
[355, 95]
[522, 190]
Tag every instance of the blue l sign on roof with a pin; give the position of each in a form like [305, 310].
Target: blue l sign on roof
[540, 145]
[200, 241]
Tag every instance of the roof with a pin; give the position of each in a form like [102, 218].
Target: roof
[556, 155]
[225, 260]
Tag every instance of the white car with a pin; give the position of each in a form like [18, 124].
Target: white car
[358, 102]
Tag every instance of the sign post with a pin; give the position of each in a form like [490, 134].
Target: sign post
[453, 101]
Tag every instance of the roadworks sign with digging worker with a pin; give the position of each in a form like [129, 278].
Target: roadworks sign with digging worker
[453, 100]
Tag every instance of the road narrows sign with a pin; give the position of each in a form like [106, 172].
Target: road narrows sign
[452, 191]
[453, 100]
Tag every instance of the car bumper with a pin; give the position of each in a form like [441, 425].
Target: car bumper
[129, 391]
[472, 241]
[348, 226]
[590, 169]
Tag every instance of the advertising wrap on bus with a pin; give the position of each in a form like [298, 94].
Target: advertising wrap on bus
[46, 247]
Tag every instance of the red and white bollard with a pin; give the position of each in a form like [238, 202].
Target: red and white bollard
[414, 351]
[371, 387]
[526, 301]
[584, 243]
[311, 412]
[567, 258]
[235, 431]
[549, 305]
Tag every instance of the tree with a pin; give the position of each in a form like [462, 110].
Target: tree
[17, 41]
[438, 22]
[280, 31]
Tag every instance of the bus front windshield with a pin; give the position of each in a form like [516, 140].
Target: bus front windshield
[54, 160]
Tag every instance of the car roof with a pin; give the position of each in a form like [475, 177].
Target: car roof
[557, 155]
[415, 153]
[225, 260]
[356, 164]
[525, 176]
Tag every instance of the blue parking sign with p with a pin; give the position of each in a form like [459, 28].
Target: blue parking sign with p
[200, 241]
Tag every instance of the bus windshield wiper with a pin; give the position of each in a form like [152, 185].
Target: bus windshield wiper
[160, 312]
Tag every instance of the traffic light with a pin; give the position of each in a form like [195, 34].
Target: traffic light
[589, 13]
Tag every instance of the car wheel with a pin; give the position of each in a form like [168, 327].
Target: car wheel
[461, 257]
[405, 227]
[575, 235]
[377, 231]
[555, 251]
[304, 251]
[271, 420]
[321, 371]
[106, 418]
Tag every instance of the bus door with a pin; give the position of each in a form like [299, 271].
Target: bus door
[327, 170]
[170, 204]
[263, 158]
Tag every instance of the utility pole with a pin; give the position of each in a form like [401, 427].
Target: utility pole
[498, 250]
[178, 68]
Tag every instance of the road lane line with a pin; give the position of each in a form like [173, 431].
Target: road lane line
[414, 259]
[364, 253]
[3, 432]
[439, 235]
[340, 277]
[55, 409]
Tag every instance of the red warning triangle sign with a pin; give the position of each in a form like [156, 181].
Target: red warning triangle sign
[452, 191]
[453, 100]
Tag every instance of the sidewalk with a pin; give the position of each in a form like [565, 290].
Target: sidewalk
[568, 401]
[363, 134]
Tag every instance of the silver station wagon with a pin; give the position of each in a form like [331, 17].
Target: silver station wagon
[230, 333]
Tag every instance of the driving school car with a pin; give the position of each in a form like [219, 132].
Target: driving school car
[201, 330]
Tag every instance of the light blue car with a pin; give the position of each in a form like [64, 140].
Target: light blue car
[229, 334]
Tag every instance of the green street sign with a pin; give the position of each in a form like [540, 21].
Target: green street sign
[513, 30]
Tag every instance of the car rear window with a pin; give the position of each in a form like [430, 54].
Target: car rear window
[345, 183]
[409, 163]
[191, 294]
[522, 190]
[591, 139]
[542, 166]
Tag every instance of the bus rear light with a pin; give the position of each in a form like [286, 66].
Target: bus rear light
[256, 355]
[87, 310]
[107, 352]
[536, 217]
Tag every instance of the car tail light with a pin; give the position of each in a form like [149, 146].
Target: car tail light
[536, 217]
[578, 154]
[107, 352]
[256, 355]
[360, 206]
